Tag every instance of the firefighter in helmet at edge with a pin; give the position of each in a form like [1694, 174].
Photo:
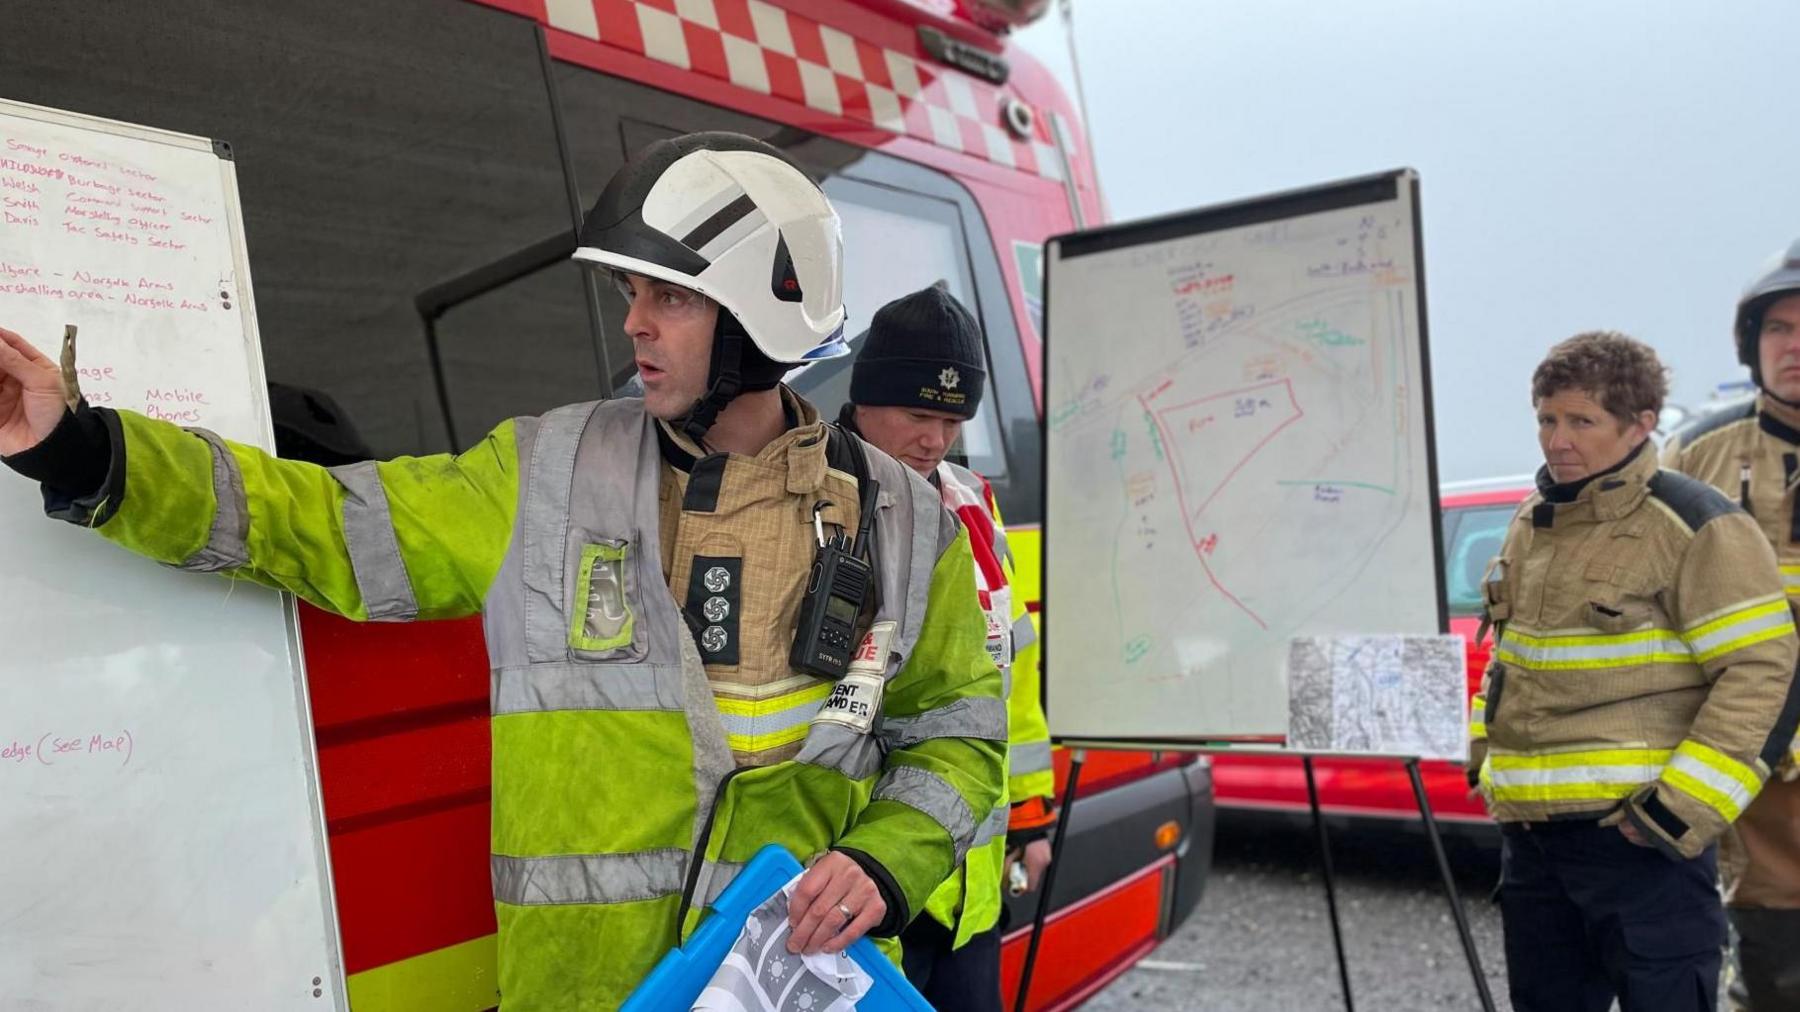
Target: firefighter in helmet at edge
[1752, 454]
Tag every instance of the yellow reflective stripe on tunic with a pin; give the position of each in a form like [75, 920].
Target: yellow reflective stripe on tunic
[1574, 776]
[1478, 716]
[1745, 626]
[755, 725]
[1589, 648]
[1790, 579]
[1714, 778]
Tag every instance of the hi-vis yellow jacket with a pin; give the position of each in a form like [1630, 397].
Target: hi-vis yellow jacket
[622, 804]
[1752, 454]
[969, 902]
[1644, 657]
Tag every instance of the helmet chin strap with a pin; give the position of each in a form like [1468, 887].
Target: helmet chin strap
[1756, 377]
[723, 383]
[1772, 395]
[738, 367]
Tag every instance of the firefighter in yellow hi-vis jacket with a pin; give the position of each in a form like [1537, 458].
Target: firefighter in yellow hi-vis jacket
[671, 687]
[919, 377]
[1753, 455]
[1635, 703]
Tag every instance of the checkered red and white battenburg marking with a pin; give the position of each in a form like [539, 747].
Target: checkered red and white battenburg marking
[763, 48]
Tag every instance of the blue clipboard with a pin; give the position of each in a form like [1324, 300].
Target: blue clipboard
[681, 975]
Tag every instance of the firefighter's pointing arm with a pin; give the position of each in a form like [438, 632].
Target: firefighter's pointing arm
[189, 499]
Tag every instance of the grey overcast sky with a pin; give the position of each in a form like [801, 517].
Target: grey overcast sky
[1622, 164]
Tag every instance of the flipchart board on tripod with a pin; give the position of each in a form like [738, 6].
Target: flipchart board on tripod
[159, 803]
[1241, 516]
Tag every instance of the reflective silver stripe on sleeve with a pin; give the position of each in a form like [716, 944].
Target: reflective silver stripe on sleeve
[541, 687]
[991, 829]
[228, 543]
[974, 717]
[848, 751]
[931, 794]
[381, 577]
[1024, 633]
[587, 878]
[1028, 757]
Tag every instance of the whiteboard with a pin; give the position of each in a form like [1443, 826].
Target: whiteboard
[158, 795]
[1237, 453]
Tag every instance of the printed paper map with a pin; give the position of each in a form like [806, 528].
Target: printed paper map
[761, 975]
[1386, 695]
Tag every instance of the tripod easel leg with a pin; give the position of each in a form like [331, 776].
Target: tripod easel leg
[1337, 934]
[1449, 881]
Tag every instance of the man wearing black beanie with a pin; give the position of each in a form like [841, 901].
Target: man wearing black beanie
[920, 375]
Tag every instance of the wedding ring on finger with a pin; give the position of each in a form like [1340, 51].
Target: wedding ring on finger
[846, 911]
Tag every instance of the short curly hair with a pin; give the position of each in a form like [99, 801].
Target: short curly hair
[1622, 373]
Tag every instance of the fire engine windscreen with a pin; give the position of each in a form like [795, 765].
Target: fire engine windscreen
[1238, 455]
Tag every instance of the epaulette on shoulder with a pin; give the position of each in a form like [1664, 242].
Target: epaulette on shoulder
[1717, 422]
[1690, 499]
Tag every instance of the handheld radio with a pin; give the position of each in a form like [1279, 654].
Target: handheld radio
[839, 589]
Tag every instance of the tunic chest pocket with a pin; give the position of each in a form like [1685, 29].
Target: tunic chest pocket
[1497, 590]
[1620, 598]
[604, 612]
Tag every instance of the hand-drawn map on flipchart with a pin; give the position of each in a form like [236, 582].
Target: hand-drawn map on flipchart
[1387, 695]
[1238, 452]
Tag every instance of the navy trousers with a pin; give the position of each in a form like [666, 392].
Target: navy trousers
[1590, 916]
[959, 980]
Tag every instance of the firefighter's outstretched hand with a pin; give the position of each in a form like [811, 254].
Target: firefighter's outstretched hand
[834, 884]
[31, 397]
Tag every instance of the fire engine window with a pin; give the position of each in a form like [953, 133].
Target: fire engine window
[1469, 543]
[896, 243]
[380, 148]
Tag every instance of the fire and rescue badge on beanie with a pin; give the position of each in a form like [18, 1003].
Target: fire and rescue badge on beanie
[923, 350]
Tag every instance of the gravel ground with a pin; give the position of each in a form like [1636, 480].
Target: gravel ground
[1261, 936]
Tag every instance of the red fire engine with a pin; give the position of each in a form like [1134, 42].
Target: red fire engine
[411, 172]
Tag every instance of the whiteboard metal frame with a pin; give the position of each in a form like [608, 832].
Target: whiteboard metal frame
[240, 255]
[1375, 188]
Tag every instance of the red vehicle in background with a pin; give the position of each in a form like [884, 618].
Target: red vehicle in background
[411, 174]
[1475, 515]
